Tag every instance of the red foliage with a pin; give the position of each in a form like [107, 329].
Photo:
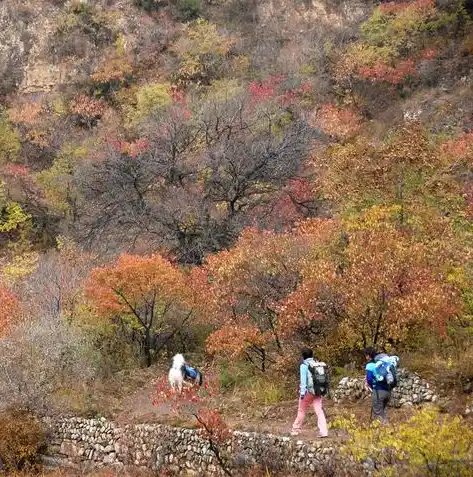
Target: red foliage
[271, 89]
[16, 170]
[393, 75]
[429, 53]
[292, 205]
[293, 95]
[195, 400]
[186, 400]
[131, 148]
[266, 90]
[177, 96]
[214, 428]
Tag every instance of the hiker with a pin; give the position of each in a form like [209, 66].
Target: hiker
[313, 385]
[380, 380]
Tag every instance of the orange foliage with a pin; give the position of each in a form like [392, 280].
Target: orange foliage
[135, 285]
[115, 69]
[459, 148]
[87, 108]
[234, 340]
[337, 121]
[248, 282]
[9, 309]
[379, 284]
[148, 293]
[26, 114]
[362, 168]
[421, 6]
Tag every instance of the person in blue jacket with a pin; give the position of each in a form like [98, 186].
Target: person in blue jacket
[381, 393]
[308, 398]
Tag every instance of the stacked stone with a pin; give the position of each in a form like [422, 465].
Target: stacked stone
[91, 443]
[411, 389]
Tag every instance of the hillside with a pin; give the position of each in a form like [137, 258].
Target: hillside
[234, 180]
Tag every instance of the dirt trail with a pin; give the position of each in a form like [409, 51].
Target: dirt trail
[274, 419]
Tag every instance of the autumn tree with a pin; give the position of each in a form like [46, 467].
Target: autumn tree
[147, 294]
[202, 53]
[195, 186]
[379, 282]
[247, 285]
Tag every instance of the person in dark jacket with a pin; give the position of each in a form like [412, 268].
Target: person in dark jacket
[381, 394]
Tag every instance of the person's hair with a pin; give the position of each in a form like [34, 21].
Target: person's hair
[370, 351]
[307, 353]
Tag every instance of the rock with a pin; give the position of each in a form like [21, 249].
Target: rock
[468, 387]
[69, 449]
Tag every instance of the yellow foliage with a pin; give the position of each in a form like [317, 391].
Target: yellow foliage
[150, 99]
[427, 444]
[202, 52]
[120, 45]
[21, 439]
[205, 39]
[224, 89]
[12, 216]
[20, 266]
[373, 217]
[55, 181]
[59, 107]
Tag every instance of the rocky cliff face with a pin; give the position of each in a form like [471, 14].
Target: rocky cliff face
[50, 43]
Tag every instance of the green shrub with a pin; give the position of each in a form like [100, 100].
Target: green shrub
[9, 140]
[189, 9]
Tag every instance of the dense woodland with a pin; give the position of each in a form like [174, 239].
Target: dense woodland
[235, 179]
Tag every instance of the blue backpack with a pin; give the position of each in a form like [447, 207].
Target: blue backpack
[192, 374]
[385, 370]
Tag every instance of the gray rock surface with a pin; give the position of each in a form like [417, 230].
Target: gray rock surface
[88, 443]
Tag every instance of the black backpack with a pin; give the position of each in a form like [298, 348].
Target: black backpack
[318, 378]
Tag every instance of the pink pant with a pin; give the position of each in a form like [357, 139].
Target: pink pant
[304, 405]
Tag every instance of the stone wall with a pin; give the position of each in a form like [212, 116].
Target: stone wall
[411, 389]
[90, 443]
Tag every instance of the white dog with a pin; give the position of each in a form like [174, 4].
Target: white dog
[180, 374]
[176, 376]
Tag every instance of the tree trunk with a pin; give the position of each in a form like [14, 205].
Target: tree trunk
[147, 347]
